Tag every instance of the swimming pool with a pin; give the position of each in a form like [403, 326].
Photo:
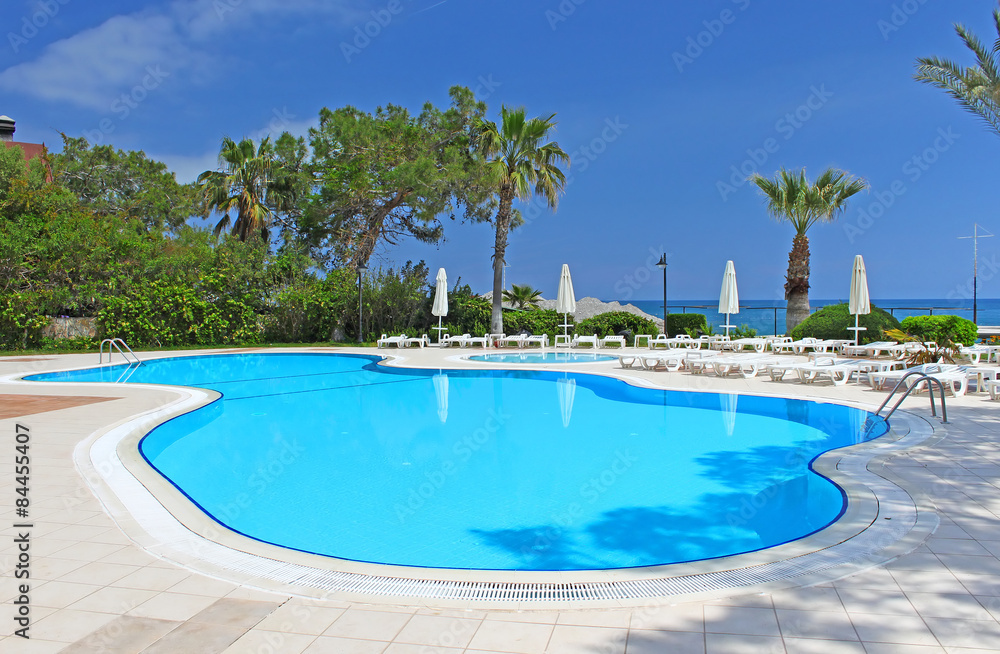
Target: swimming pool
[489, 469]
[542, 357]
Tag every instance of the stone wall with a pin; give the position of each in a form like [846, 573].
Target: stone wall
[70, 328]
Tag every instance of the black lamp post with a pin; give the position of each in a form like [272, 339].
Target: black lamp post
[662, 265]
[361, 271]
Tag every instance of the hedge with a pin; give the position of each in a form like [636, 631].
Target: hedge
[941, 329]
[612, 322]
[686, 323]
[832, 322]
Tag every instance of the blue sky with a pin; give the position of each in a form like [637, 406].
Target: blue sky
[665, 107]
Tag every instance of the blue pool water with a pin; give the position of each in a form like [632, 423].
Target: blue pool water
[489, 469]
[542, 357]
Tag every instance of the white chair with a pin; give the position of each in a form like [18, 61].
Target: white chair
[387, 340]
[608, 341]
[516, 340]
[541, 340]
[422, 341]
[579, 341]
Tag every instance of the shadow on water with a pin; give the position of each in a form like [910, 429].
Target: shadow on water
[774, 500]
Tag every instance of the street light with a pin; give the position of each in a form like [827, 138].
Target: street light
[662, 265]
[361, 271]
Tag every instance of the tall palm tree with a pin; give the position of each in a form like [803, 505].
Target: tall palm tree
[976, 88]
[791, 196]
[245, 186]
[522, 297]
[519, 165]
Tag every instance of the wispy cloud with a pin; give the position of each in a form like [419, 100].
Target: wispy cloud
[91, 68]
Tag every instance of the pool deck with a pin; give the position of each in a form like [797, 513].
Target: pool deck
[98, 586]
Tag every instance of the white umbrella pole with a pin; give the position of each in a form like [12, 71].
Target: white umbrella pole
[856, 334]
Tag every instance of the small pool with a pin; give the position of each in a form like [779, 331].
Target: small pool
[542, 357]
[489, 469]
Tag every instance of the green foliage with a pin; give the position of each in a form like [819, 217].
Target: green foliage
[612, 322]
[743, 331]
[389, 175]
[832, 322]
[467, 313]
[941, 329]
[522, 296]
[168, 312]
[20, 323]
[124, 183]
[686, 323]
[536, 321]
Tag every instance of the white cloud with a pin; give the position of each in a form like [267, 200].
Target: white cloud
[95, 66]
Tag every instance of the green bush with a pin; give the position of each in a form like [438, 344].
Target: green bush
[536, 321]
[20, 321]
[612, 322]
[832, 322]
[168, 313]
[941, 329]
[467, 313]
[306, 313]
[686, 323]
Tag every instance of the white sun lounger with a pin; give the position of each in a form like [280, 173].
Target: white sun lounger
[541, 340]
[515, 340]
[608, 341]
[387, 340]
[422, 341]
[745, 366]
[758, 344]
[579, 341]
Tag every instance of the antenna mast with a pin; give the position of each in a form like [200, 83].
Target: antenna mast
[975, 267]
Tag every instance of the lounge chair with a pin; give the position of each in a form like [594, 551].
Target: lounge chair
[745, 366]
[516, 340]
[387, 340]
[878, 380]
[976, 352]
[871, 349]
[579, 341]
[608, 341]
[839, 371]
[758, 344]
[422, 341]
[541, 340]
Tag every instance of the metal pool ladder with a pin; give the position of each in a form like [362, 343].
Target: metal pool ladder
[930, 391]
[118, 344]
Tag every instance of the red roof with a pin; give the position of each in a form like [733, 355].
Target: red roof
[31, 150]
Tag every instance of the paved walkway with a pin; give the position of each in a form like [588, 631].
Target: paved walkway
[94, 590]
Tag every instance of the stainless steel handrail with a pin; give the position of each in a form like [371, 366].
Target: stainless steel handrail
[923, 377]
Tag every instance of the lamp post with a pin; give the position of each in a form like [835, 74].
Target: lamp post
[361, 330]
[662, 265]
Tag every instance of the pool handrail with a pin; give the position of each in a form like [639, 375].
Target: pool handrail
[117, 344]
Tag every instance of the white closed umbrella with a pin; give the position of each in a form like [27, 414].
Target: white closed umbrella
[565, 300]
[859, 303]
[729, 299]
[440, 308]
[440, 382]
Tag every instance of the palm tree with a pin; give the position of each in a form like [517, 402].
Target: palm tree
[976, 88]
[792, 197]
[245, 185]
[518, 165]
[522, 297]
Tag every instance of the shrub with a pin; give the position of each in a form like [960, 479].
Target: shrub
[306, 313]
[941, 329]
[20, 321]
[612, 322]
[536, 321]
[686, 323]
[467, 313]
[832, 322]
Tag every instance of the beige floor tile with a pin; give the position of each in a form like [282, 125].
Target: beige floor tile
[520, 637]
[942, 605]
[813, 599]
[196, 638]
[295, 617]
[199, 585]
[111, 599]
[981, 634]
[682, 617]
[123, 635]
[876, 602]
[817, 646]
[641, 641]
[152, 578]
[406, 648]
[60, 594]
[607, 618]
[438, 631]
[900, 629]
[172, 606]
[571, 639]
[101, 574]
[337, 645]
[259, 641]
[831, 625]
[69, 625]
[739, 644]
[895, 648]
[230, 612]
[741, 620]
[373, 625]
[17, 645]
[538, 617]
